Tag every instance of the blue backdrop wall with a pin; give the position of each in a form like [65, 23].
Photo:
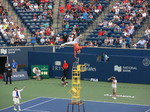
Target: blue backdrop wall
[109, 51]
[129, 69]
[20, 54]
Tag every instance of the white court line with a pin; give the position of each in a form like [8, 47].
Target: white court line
[36, 110]
[21, 103]
[147, 110]
[101, 101]
[39, 103]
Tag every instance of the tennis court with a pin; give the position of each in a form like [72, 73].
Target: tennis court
[49, 96]
[43, 104]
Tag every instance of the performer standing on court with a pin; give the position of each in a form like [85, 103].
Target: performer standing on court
[16, 97]
[75, 44]
[8, 71]
[114, 86]
[65, 67]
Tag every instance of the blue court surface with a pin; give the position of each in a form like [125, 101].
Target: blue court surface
[43, 104]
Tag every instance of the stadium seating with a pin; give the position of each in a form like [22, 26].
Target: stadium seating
[111, 30]
[27, 15]
[83, 23]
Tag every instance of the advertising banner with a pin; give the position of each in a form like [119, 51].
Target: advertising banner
[128, 69]
[18, 76]
[44, 70]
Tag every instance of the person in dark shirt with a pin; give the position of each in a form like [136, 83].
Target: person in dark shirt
[65, 37]
[63, 81]
[8, 74]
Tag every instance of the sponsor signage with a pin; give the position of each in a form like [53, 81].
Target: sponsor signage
[18, 76]
[118, 68]
[9, 51]
[44, 70]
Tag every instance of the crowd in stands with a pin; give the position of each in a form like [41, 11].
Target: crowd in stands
[83, 12]
[9, 30]
[37, 16]
[127, 17]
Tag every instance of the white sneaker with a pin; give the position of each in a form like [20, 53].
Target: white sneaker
[114, 98]
[15, 109]
[19, 109]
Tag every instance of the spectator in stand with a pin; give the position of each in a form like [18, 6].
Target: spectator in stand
[58, 40]
[42, 1]
[106, 41]
[69, 7]
[12, 41]
[148, 41]
[90, 44]
[101, 32]
[47, 41]
[111, 41]
[97, 11]
[50, 6]
[141, 43]
[90, 17]
[147, 31]
[95, 44]
[85, 15]
[61, 10]
[105, 23]
[34, 18]
[116, 17]
[33, 40]
[42, 41]
[66, 25]
[128, 41]
[120, 40]
[124, 43]
[48, 31]
[117, 28]
[116, 41]
[52, 42]
[101, 24]
[65, 37]
[77, 29]
[66, 17]
[36, 7]
[99, 7]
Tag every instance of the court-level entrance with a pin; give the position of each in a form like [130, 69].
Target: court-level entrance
[3, 60]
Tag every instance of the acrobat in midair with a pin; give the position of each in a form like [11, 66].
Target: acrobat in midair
[75, 44]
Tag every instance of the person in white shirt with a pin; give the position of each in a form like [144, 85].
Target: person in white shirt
[141, 42]
[36, 6]
[147, 31]
[37, 71]
[16, 97]
[42, 41]
[114, 86]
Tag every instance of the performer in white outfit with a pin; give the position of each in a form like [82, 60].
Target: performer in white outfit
[114, 86]
[16, 97]
[76, 40]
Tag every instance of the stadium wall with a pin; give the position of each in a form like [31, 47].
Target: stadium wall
[128, 69]
[109, 51]
[20, 54]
